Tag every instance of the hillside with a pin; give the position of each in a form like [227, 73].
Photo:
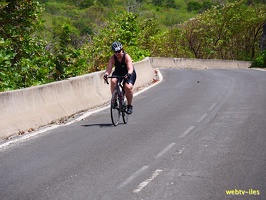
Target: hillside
[52, 40]
[85, 17]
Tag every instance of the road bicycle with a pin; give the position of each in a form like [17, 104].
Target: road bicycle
[118, 105]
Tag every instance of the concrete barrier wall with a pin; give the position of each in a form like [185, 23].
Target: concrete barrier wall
[145, 72]
[34, 107]
[199, 63]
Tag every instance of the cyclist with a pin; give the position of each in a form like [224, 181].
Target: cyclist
[123, 67]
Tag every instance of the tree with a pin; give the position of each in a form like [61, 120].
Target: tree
[23, 60]
[170, 3]
[126, 28]
[194, 6]
[225, 32]
[86, 3]
[104, 2]
[157, 2]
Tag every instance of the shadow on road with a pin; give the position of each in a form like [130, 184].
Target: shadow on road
[100, 125]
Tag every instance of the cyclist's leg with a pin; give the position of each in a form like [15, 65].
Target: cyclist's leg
[113, 82]
[128, 87]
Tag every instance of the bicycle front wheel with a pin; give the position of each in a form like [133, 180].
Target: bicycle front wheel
[124, 112]
[115, 109]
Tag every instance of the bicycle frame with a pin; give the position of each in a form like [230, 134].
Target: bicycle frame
[119, 84]
[118, 103]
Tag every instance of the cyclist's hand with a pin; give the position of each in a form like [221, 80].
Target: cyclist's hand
[127, 76]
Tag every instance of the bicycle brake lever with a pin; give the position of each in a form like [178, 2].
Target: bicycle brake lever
[106, 81]
[105, 78]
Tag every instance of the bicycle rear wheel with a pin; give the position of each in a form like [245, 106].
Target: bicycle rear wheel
[115, 108]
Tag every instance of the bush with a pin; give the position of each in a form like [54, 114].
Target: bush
[260, 61]
[194, 6]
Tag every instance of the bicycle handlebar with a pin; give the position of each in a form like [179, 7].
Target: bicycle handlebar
[118, 77]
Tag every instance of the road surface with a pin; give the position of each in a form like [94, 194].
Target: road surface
[198, 135]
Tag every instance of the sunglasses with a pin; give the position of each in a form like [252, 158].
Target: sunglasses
[118, 51]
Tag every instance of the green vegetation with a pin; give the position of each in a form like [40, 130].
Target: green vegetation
[260, 61]
[51, 40]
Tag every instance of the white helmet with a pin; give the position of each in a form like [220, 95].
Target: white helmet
[117, 46]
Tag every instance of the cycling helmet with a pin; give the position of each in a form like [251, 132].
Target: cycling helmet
[117, 46]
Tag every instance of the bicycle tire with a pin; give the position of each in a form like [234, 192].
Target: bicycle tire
[124, 112]
[115, 109]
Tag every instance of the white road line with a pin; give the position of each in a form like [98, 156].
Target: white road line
[133, 176]
[202, 118]
[212, 107]
[147, 181]
[187, 131]
[26, 137]
[165, 150]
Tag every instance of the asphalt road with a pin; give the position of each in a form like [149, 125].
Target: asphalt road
[198, 135]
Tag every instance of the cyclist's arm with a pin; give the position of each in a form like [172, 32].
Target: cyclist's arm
[110, 65]
[129, 63]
